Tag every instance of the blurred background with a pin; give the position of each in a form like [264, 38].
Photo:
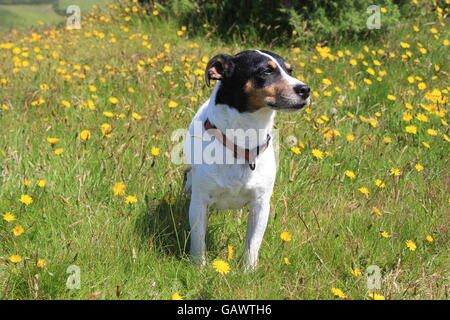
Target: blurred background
[273, 22]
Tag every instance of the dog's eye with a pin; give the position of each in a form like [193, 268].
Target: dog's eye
[268, 71]
[289, 71]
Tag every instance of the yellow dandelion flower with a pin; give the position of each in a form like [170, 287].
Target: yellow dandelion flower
[407, 117]
[41, 183]
[15, 258]
[317, 153]
[364, 191]
[221, 266]
[285, 236]
[384, 234]
[113, 100]
[119, 188]
[411, 129]
[66, 103]
[422, 86]
[370, 71]
[52, 140]
[230, 252]
[26, 199]
[58, 151]
[429, 238]
[356, 272]
[85, 135]
[176, 296]
[418, 167]
[338, 292]
[395, 172]
[41, 263]
[426, 145]
[411, 245]
[379, 183]
[350, 137]
[130, 199]
[18, 230]
[8, 217]
[391, 97]
[172, 104]
[296, 150]
[26, 182]
[155, 151]
[377, 211]
[404, 45]
[326, 82]
[376, 296]
[350, 174]
[136, 116]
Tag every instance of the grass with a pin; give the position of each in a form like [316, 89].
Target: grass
[25, 16]
[139, 250]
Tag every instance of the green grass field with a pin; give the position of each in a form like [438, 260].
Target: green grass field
[23, 16]
[365, 181]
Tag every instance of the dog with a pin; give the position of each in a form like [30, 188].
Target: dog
[236, 122]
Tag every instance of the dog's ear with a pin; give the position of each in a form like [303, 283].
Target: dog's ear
[219, 67]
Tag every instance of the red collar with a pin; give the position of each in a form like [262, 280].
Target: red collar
[238, 152]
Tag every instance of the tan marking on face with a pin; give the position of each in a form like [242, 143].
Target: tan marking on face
[287, 66]
[272, 64]
[258, 97]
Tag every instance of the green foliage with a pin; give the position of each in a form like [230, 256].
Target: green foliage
[27, 2]
[277, 21]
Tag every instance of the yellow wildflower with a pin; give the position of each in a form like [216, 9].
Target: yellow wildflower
[221, 266]
[411, 245]
[350, 174]
[338, 292]
[176, 296]
[119, 188]
[26, 199]
[85, 135]
[130, 199]
[15, 258]
[18, 230]
[8, 217]
[285, 236]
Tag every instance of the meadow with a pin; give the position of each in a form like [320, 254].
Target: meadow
[86, 177]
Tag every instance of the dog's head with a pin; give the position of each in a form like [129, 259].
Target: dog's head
[255, 79]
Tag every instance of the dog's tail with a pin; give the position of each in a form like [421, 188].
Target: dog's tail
[188, 179]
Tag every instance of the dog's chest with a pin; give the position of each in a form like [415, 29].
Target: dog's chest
[236, 186]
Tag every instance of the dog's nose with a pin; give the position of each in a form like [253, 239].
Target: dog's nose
[302, 90]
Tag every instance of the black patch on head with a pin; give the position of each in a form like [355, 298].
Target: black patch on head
[248, 66]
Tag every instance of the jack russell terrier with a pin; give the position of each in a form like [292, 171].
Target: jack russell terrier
[228, 146]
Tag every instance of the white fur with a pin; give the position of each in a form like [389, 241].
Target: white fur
[289, 79]
[231, 186]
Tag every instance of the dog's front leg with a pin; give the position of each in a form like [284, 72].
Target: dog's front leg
[198, 221]
[256, 226]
